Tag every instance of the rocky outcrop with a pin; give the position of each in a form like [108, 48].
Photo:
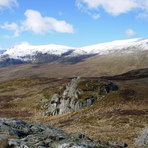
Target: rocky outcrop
[142, 140]
[33, 135]
[78, 93]
[62, 105]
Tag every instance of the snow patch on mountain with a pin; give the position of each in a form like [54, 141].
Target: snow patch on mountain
[110, 47]
[25, 49]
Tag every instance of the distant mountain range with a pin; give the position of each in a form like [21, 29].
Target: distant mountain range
[26, 53]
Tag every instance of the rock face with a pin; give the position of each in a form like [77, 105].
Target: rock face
[78, 93]
[142, 140]
[33, 135]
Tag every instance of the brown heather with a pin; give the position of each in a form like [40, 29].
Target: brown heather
[120, 116]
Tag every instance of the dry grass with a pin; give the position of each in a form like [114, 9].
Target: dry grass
[22, 98]
[121, 116]
[4, 143]
[115, 118]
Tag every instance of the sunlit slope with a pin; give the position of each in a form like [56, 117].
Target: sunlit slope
[94, 66]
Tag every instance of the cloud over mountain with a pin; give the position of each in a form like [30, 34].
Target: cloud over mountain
[38, 24]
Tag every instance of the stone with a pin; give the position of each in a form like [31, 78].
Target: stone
[43, 136]
[142, 140]
[117, 144]
[69, 101]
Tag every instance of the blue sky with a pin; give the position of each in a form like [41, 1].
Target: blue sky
[71, 22]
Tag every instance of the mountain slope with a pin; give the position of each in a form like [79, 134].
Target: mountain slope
[94, 66]
[119, 46]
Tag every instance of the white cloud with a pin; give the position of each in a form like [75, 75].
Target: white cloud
[95, 16]
[12, 27]
[143, 16]
[8, 3]
[113, 7]
[38, 24]
[130, 33]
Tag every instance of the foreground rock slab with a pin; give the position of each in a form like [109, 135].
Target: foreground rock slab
[32, 135]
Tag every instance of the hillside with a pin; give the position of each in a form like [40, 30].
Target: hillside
[94, 66]
[120, 116]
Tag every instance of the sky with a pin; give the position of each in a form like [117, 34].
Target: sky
[74, 23]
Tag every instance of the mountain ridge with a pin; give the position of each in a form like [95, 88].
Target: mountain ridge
[27, 52]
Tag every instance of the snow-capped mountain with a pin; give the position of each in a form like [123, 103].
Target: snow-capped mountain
[25, 49]
[115, 46]
[47, 53]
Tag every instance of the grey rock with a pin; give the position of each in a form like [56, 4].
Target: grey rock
[42, 136]
[68, 100]
[61, 104]
[14, 128]
[71, 89]
[14, 142]
[64, 105]
[117, 144]
[142, 140]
